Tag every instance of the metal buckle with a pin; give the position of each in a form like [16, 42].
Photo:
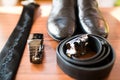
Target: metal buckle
[77, 46]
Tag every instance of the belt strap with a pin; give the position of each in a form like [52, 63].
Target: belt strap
[11, 54]
[96, 67]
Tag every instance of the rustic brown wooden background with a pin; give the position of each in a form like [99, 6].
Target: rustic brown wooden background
[49, 70]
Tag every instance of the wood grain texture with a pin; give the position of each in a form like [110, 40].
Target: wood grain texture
[49, 70]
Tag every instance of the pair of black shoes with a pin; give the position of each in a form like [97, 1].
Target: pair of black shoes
[71, 17]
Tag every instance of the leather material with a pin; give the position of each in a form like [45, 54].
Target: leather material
[61, 22]
[96, 67]
[11, 54]
[90, 19]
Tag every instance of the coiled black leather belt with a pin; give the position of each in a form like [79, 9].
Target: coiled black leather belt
[96, 67]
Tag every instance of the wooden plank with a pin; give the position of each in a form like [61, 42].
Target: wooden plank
[49, 70]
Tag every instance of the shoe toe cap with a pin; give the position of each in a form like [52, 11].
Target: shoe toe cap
[60, 29]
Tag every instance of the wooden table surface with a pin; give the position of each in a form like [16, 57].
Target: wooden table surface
[49, 70]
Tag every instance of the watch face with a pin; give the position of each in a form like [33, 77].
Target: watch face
[36, 36]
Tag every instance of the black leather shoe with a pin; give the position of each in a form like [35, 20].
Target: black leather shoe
[90, 18]
[61, 22]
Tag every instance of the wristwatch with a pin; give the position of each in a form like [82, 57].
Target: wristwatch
[35, 43]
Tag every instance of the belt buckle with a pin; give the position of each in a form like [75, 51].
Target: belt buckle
[77, 46]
